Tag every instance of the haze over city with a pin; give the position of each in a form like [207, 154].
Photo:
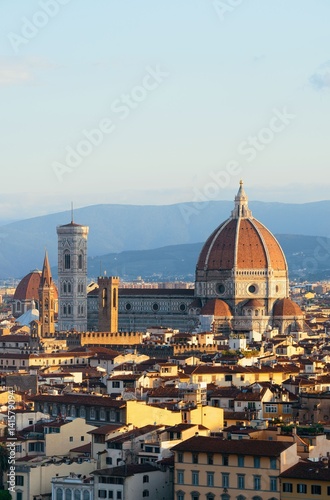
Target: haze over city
[158, 103]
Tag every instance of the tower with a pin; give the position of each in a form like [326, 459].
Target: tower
[72, 277]
[108, 304]
[47, 297]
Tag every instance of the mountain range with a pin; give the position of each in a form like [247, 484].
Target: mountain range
[163, 241]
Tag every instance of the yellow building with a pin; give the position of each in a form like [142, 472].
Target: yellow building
[227, 376]
[140, 414]
[212, 468]
[306, 480]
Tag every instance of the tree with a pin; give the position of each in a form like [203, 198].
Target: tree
[4, 465]
[5, 495]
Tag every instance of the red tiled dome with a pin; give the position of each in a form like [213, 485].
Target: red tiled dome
[241, 242]
[286, 307]
[254, 304]
[28, 287]
[216, 307]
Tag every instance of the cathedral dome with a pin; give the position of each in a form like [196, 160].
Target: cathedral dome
[241, 242]
[286, 307]
[28, 287]
[217, 307]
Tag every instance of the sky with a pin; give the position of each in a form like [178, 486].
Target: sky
[161, 102]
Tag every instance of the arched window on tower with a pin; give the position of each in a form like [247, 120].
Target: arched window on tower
[104, 297]
[67, 260]
[114, 298]
[80, 261]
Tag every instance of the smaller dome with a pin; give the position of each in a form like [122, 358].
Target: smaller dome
[216, 307]
[286, 307]
[28, 287]
[254, 304]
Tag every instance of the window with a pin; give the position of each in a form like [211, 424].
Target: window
[257, 482]
[86, 495]
[19, 480]
[316, 489]
[210, 478]
[273, 484]
[272, 463]
[180, 457]
[225, 460]
[67, 261]
[108, 461]
[256, 462]
[67, 494]
[145, 493]
[241, 497]
[195, 477]
[39, 447]
[180, 495]
[119, 496]
[71, 439]
[195, 458]
[102, 494]
[76, 495]
[228, 378]
[241, 481]
[80, 261]
[210, 458]
[240, 461]
[195, 495]
[92, 413]
[210, 496]
[180, 477]
[269, 408]
[302, 488]
[287, 487]
[225, 480]
[59, 494]
[146, 479]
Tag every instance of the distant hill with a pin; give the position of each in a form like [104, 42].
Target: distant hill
[125, 228]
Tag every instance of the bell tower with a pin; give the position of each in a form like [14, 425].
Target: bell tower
[47, 296]
[108, 304]
[72, 277]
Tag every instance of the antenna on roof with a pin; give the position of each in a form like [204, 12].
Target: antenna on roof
[71, 212]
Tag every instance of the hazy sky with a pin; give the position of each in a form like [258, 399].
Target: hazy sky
[148, 101]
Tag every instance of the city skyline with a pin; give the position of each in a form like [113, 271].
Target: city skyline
[144, 104]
